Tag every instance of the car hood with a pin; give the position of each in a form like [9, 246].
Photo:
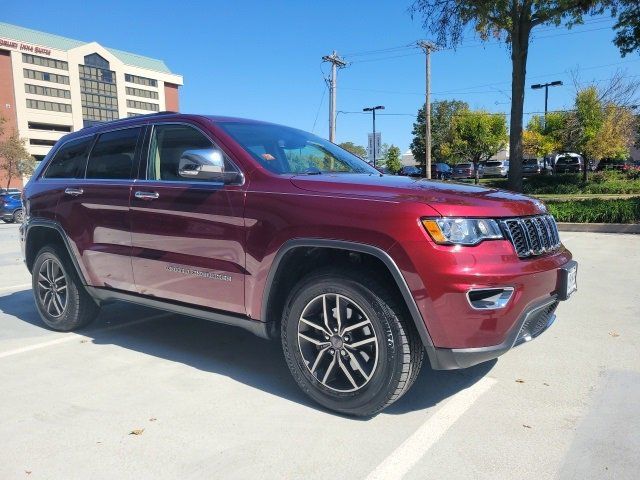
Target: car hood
[449, 199]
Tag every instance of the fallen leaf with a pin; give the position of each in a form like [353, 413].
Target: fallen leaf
[545, 383]
[137, 431]
[84, 341]
[153, 419]
[28, 472]
[526, 426]
[614, 334]
[519, 380]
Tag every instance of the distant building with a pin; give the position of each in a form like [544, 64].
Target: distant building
[51, 85]
[407, 159]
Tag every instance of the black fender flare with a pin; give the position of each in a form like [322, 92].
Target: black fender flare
[378, 253]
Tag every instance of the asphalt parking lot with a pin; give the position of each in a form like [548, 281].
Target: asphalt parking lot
[209, 401]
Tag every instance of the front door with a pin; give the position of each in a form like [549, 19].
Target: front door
[94, 210]
[187, 235]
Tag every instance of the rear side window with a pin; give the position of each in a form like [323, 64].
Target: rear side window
[113, 155]
[70, 160]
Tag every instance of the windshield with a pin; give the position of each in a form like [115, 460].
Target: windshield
[494, 164]
[567, 160]
[285, 150]
[530, 161]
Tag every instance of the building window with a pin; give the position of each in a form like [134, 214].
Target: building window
[138, 92]
[96, 60]
[131, 114]
[44, 61]
[143, 105]
[98, 92]
[49, 127]
[148, 82]
[41, 143]
[48, 91]
[47, 77]
[49, 106]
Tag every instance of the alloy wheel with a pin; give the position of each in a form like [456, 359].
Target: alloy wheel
[337, 342]
[52, 287]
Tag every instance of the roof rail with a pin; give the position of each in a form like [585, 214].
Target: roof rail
[146, 115]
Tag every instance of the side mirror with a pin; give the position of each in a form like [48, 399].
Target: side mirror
[204, 164]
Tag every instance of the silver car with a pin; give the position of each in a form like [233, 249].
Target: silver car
[496, 168]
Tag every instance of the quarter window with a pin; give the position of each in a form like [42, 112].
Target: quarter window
[70, 160]
[168, 143]
[113, 155]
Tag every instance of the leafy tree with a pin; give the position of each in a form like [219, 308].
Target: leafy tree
[478, 135]
[544, 136]
[393, 159]
[628, 27]
[15, 160]
[512, 21]
[442, 115]
[358, 150]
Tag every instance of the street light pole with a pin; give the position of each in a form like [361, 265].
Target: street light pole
[546, 86]
[373, 111]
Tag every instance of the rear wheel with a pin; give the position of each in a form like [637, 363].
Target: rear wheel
[18, 216]
[347, 345]
[62, 301]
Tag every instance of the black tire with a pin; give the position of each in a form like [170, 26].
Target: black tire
[67, 308]
[8, 220]
[17, 216]
[399, 351]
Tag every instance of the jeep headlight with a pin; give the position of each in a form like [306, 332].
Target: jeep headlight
[462, 231]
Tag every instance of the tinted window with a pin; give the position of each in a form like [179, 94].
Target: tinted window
[530, 161]
[168, 143]
[493, 164]
[112, 156]
[70, 159]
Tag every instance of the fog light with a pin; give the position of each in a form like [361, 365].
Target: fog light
[489, 298]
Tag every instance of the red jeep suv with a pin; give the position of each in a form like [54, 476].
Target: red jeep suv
[286, 235]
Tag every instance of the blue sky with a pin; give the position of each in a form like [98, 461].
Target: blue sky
[262, 59]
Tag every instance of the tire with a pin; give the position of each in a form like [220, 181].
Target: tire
[67, 306]
[18, 216]
[389, 351]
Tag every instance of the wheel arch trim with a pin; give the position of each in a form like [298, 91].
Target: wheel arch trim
[376, 252]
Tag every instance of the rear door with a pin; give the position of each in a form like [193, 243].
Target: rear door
[94, 210]
[187, 234]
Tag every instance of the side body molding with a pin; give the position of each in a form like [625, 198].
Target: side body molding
[355, 247]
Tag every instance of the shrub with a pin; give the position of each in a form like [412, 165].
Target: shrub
[607, 182]
[596, 210]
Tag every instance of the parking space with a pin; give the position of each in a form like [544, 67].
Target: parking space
[143, 394]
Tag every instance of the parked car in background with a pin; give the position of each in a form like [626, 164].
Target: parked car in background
[440, 171]
[496, 168]
[5, 191]
[411, 171]
[11, 208]
[569, 163]
[532, 166]
[360, 276]
[612, 164]
[466, 170]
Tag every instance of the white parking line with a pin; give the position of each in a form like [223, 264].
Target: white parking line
[15, 287]
[409, 453]
[74, 336]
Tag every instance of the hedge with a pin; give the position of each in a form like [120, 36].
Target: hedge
[596, 210]
[608, 182]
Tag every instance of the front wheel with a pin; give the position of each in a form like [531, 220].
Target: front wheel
[18, 216]
[62, 301]
[347, 344]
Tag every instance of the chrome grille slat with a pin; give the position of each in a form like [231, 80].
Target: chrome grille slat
[532, 236]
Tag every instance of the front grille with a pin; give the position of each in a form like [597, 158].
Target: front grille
[532, 236]
[536, 323]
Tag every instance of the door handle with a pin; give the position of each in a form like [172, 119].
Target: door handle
[73, 191]
[146, 195]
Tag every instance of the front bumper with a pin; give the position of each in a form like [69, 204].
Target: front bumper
[533, 322]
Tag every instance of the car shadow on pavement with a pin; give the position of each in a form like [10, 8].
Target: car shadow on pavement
[228, 351]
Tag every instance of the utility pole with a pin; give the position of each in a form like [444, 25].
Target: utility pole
[336, 62]
[427, 47]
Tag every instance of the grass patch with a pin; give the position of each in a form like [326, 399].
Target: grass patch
[596, 210]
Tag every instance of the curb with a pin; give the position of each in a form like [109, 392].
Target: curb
[600, 227]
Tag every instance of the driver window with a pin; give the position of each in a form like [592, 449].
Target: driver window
[166, 146]
[312, 157]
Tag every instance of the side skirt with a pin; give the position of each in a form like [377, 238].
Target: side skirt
[105, 295]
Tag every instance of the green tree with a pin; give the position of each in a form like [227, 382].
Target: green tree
[358, 150]
[478, 135]
[393, 159]
[545, 136]
[512, 21]
[15, 160]
[442, 114]
[628, 27]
